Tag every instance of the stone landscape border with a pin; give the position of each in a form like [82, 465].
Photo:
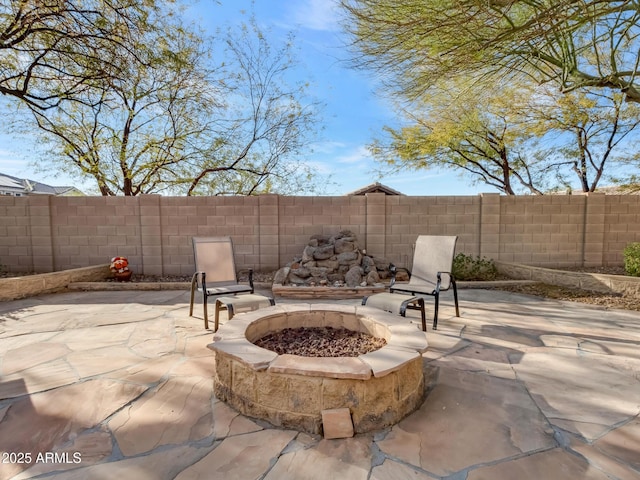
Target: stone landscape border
[93, 278]
[596, 282]
[13, 288]
[122, 286]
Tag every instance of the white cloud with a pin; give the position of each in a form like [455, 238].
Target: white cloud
[317, 15]
[319, 167]
[357, 155]
[10, 164]
[5, 154]
[415, 176]
[327, 147]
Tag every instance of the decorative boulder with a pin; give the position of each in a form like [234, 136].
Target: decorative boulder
[346, 244]
[324, 252]
[333, 260]
[353, 277]
[373, 278]
[307, 254]
[281, 275]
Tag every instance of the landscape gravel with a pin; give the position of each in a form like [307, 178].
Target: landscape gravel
[320, 342]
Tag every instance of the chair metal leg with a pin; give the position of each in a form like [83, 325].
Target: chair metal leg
[222, 306]
[435, 310]
[193, 288]
[403, 309]
[204, 306]
[455, 297]
[219, 305]
[422, 314]
[416, 304]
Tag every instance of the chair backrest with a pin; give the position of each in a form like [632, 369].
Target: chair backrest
[214, 256]
[433, 254]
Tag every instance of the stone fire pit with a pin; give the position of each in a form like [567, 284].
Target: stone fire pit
[379, 388]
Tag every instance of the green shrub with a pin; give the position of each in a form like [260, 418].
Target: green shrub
[632, 259]
[466, 267]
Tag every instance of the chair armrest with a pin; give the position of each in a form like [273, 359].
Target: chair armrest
[452, 279]
[249, 276]
[394, 270]
[199, 279]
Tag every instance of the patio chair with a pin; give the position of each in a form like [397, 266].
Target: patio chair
[215, 271]
[431, 271]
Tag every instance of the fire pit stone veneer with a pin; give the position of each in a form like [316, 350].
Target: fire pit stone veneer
[379, 388]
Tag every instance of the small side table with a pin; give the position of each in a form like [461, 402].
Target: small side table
[232, 304]
[398, 303]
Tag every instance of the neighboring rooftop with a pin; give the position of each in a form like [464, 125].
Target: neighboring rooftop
[620, 190]
[19, 187]
[375, 188]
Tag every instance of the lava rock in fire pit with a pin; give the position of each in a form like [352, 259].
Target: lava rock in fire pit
[333, 260]
[320, 342]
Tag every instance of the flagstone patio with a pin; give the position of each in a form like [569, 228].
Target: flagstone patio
[119, 385]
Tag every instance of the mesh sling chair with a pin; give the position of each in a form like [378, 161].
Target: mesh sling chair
[215, 271]
[431, 271]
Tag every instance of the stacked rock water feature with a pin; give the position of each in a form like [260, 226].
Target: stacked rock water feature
[334, 261]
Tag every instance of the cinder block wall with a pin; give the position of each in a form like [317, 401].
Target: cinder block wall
[46, 233]
[620, 225]
[408, 217]
[174, 220]
[301, 217]
[544, 231]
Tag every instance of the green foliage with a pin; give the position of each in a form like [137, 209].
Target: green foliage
[632, 259]
[576, 53]
[132, 137]
[179, 123]
[572, 44]
[269, 124]
[467, 267]
[484, 137]
[53, 52]
[502, 137]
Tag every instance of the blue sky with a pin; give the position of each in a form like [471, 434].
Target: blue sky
[352, 116]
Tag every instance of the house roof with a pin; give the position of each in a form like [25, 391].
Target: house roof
[10, 182]
[619, 190]
[376, 187]
[31, 187]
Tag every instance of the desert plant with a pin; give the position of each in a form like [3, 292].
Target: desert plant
[632, 259]
[467, 267]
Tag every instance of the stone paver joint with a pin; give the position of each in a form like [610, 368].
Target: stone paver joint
[123, 381]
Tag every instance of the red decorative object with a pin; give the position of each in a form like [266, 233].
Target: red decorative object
[123, 276]
[120, 268]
